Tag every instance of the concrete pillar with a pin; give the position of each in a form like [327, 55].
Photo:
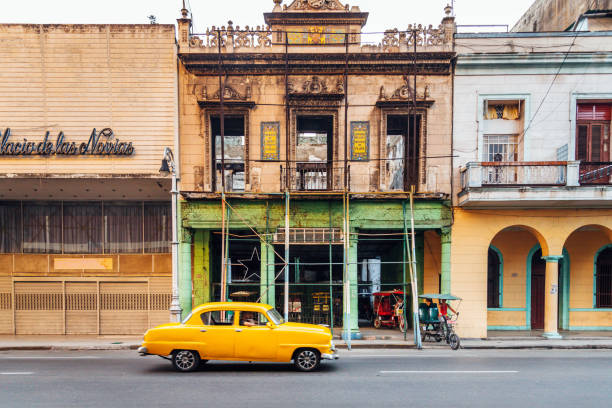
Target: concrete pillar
[350, 324]
[267, 289]
[201, 267]
[445, 260]
[185, 291]
[551, 297]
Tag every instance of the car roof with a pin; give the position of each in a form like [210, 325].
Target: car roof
[246, 306]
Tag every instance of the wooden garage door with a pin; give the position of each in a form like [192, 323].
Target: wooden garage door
[39, 308]
[81, 308]
[124, 307]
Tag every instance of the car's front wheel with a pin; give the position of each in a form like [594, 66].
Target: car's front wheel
[185, 360]
[307, 359]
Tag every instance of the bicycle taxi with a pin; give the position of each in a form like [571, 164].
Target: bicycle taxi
[432, 326]
[389, 309]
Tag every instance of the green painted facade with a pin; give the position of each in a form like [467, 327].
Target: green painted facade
[199, 219]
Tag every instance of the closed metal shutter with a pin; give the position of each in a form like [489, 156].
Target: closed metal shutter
[69, 306]
[81, 308]
[39, 308]
[124, 307]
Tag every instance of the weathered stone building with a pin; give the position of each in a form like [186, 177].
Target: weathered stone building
[300, 142]
[86, 113]
[558, 15]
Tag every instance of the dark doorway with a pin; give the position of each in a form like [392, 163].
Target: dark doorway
[234, 149]
[538, 276]
[314, 153]
[402, 151]
[603, 291]
[493, 279]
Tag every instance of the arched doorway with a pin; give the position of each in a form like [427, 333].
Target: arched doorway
[603, 279]
[538, 278]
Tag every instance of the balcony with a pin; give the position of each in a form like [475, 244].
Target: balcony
[313, 176]
[536, 184]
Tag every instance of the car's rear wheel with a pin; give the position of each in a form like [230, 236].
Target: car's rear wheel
[185, 360]
[307, 360]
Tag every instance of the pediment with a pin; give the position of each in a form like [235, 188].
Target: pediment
[316, 5]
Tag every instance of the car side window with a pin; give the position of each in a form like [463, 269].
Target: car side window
[218, 318]
[252, 319]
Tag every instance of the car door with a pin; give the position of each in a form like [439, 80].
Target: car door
[217, 334]
[254, 339]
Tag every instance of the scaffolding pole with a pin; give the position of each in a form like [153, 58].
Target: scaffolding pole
[331, 288]
[413, 274]
[286, 267]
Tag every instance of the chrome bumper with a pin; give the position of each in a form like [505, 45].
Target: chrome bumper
[332, 356]
[143, 351]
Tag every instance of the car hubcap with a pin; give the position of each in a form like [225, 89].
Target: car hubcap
[307, 359]
[185, 360]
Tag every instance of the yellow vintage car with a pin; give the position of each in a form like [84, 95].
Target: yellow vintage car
[239, 331]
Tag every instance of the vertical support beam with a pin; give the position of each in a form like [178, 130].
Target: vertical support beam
[201, 267]
[286, 297]
[268, 294]
[185, 272]
[420, 260]
[551, 297]
[350, 324]
[445, 260]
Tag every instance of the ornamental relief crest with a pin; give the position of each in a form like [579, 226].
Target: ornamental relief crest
[229, 93]
[403, 93]
[314, 86]
[316, 5]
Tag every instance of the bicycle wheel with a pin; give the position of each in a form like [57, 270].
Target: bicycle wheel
[454, 342]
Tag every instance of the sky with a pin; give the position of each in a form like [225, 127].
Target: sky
[384, 14]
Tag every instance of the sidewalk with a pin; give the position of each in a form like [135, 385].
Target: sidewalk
[64, 343]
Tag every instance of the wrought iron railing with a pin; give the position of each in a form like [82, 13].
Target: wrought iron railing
[596, 173]
[514, 174]
[313, 176]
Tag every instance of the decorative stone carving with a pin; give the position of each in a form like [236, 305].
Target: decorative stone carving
[258, 37]
[403, 93]
[316, 86]
[229, 94]
[316, 5]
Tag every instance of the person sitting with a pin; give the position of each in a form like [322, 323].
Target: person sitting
[247, 319]
[443, 313]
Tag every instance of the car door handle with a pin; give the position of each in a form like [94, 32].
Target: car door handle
[203, 330]
[238, 330]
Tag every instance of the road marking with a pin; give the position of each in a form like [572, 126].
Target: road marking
[450, 372]
[47, 358]
[21, 373]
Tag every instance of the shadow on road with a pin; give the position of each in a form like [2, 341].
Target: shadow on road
[234, 368]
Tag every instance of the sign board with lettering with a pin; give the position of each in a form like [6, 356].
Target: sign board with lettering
[270, 144]
[360, 141]
[99, 144]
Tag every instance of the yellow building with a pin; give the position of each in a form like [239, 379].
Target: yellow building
[85, 115]
[532, 228]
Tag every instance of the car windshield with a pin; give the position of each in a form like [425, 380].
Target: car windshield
[275, 316]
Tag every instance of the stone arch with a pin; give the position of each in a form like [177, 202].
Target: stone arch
[539, 236]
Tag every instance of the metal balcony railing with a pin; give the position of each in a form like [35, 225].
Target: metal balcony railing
[516, 174]
[596, 173]
[313, 176]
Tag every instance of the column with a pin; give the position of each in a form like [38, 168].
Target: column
[419, 247]
[445, 260]
[185, 271]
[201, 267]
[551, 297]
[267, 290]
[351, 326]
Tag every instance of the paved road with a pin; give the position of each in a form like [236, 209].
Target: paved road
[361, 378]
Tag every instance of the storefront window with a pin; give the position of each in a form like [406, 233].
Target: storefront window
[123, 228]
[157, 227]
[42, 228]
[10, 227]
[82, 228]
